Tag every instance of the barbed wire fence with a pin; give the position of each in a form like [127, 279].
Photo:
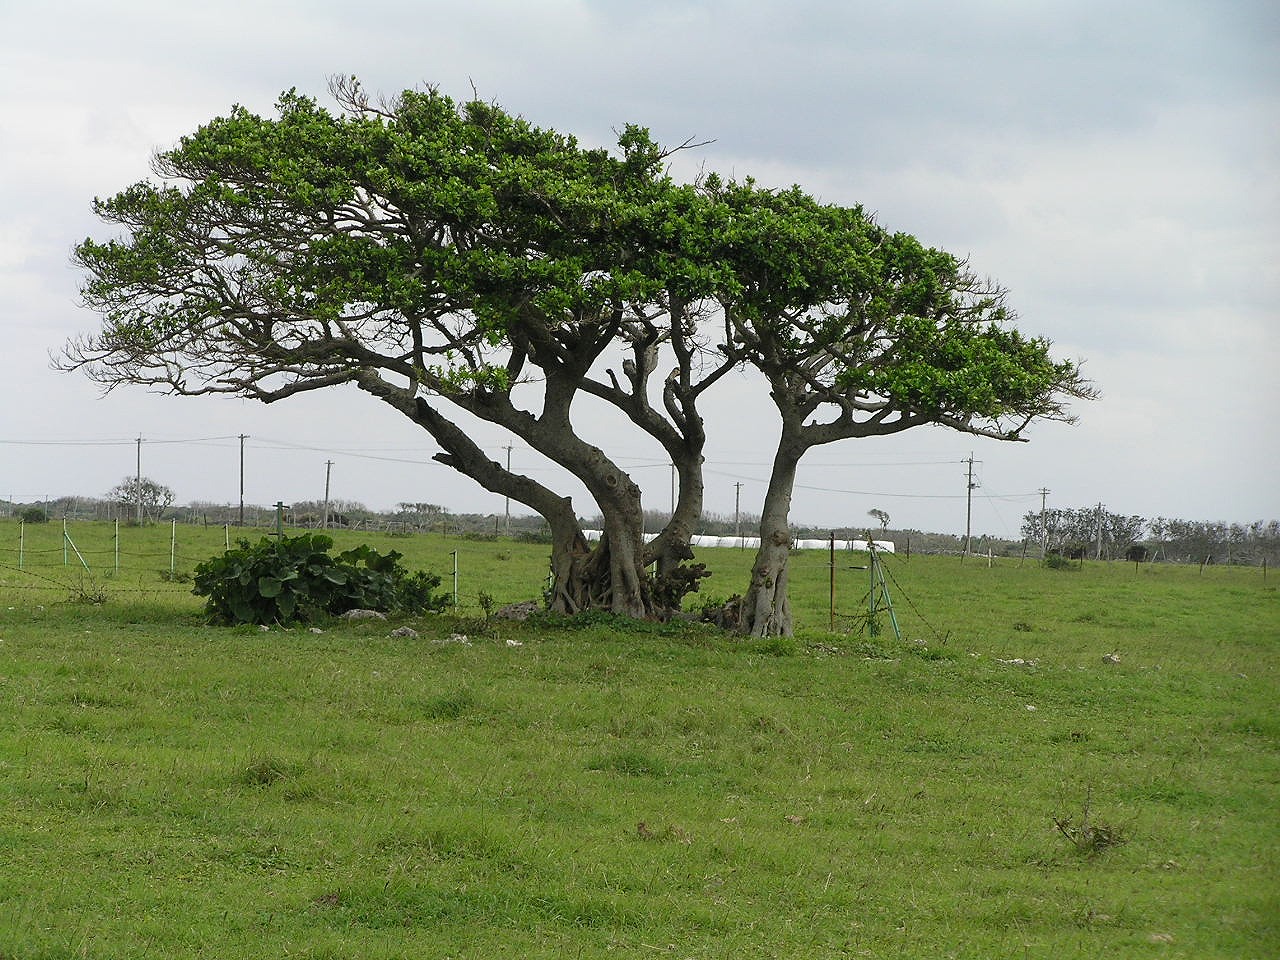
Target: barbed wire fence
[86, 560]
[92, 561]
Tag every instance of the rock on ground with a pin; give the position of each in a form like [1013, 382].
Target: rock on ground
[518, 611]
[364, 615]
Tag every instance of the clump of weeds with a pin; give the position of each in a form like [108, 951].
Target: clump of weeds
[1089, 837]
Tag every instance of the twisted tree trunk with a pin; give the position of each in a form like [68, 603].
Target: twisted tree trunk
[766, 608]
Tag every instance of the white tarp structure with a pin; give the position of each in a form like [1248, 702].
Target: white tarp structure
[884, 546]
[753, 543]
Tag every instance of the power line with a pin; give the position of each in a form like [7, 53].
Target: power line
[106, 443]
[633, 463]
[846, 464]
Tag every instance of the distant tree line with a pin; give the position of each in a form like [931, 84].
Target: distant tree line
[1217, 542]
[1096, 532]
[1093, 532]
[158, 506]
[1089, 532]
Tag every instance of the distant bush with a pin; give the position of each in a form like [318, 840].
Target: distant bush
[532, 536]
[33, 515]
[294, 578]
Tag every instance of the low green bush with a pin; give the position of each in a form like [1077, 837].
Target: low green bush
[1056, 561]
[294, 578]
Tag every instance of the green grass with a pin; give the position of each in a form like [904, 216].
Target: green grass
[603, 788]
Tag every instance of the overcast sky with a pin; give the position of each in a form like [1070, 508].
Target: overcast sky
[1116, 166]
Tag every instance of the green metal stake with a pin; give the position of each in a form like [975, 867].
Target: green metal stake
[280, 519]
[66, 539]
[888, 601]
[872, 626]
[877, 578]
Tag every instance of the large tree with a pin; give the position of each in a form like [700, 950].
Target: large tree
[862, 332]
[439, 257]
[449, 257]
[146, 497]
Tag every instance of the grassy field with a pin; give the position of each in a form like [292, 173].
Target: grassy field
[990, 786]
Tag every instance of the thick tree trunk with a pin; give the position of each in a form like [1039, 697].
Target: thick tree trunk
[670, 551]
[612, 576]
[766, 607]
[570, 552]
[569, 555]
[627, 591]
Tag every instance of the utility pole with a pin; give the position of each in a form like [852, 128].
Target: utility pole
[137, 482]
[240, 520]
[1044, 530]
[508, 499]
[968, 505]
[324, 522]
[737, 502]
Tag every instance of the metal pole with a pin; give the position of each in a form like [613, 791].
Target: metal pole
[968, 507]
[832, 555]
[507, 503]
[454, 554]
[22, 542]
[173, 546]
[226, 534]
[240, 521]
[737, 517]
[64, 541]
[1044, 530]
[138, 482]
[117, 545]
[324, 521]
[280, 519]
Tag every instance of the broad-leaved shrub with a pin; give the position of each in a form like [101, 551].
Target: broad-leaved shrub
[294, 578]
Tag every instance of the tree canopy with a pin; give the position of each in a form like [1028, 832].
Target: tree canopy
[149, 498]
[446, 257]
[862, 332]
